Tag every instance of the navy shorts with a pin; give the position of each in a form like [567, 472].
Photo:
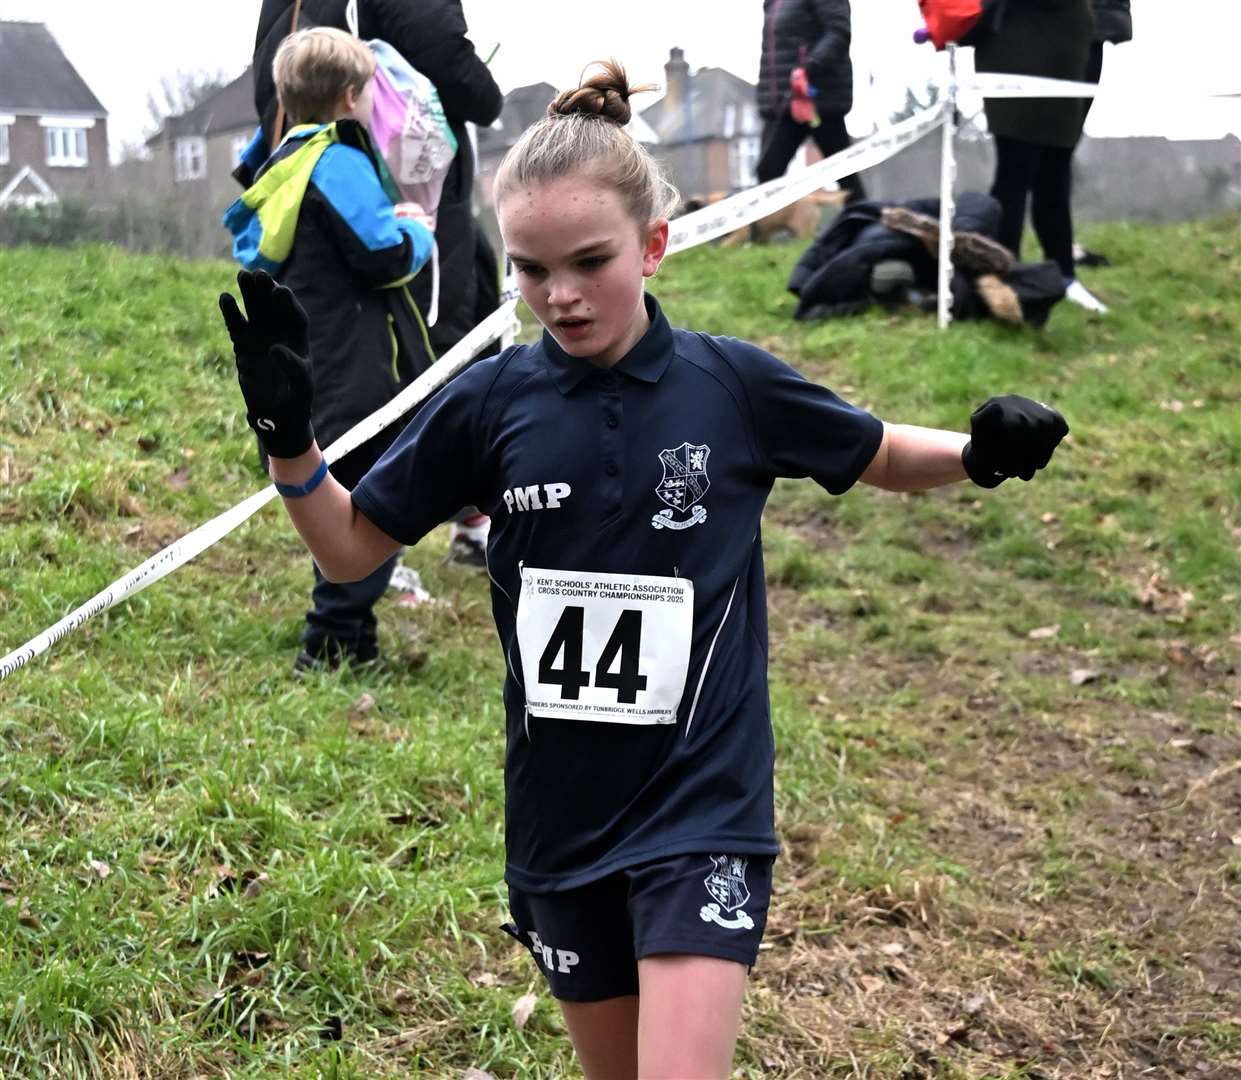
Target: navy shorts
[588, 940]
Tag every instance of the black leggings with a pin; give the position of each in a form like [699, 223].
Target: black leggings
[1044, 175]
[782, 137]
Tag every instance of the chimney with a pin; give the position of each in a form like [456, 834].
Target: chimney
[676, 80]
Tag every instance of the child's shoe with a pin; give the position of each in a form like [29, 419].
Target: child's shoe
[468, 543]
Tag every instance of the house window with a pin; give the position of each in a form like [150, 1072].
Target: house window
[4, 140]
[730, 120]
[65, 146]
[743, 154]
[238, 147]
[190, 158]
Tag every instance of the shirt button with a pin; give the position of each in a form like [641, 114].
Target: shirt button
[611, 468]
[612, 421]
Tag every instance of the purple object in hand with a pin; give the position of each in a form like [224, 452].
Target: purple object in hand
[922, 35]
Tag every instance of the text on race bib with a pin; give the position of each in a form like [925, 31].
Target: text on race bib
[604, 647]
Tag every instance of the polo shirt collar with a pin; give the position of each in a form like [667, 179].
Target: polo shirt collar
[646, 361]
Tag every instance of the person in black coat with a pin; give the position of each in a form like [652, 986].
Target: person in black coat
[814, 35]
[1035, 137]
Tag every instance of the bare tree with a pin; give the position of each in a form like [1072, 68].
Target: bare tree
[179, 93]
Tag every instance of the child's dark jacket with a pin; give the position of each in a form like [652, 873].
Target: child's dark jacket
[318, 218]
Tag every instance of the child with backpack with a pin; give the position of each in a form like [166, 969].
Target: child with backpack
[625, 465]
[321, 218]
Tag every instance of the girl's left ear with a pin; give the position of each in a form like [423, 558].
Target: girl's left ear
[656, 247]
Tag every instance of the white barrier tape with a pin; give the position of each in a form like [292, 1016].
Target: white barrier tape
[157, 566]
[749, 206]
[998, 85]
[687, 231]
[181, 551]
[493, 326]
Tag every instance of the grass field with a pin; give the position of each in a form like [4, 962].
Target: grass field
[1008, 722]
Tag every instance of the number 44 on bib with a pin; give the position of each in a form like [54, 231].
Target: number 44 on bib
[604, 647]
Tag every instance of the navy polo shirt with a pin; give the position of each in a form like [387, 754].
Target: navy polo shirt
[659, 466]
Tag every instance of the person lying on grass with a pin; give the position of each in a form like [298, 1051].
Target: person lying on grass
[625, 465]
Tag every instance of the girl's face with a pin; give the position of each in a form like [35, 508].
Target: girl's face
[580, 259]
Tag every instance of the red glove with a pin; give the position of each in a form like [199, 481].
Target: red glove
[801, 107]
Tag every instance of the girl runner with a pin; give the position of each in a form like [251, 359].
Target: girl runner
[625, 465]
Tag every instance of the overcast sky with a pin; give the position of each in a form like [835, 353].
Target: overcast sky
[1155, 85]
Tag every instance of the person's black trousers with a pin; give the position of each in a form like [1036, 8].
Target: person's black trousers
[783, 136]
[1043, 176]
[342, 622]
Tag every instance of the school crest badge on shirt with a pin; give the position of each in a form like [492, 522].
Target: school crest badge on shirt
[684, 483]
[726, 883]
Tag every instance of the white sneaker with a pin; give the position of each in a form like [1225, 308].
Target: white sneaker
[1079, 294]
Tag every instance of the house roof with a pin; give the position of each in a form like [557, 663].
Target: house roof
[229, 109]
[36, 77]
[522, 107]
[704, 113]
[527, 105]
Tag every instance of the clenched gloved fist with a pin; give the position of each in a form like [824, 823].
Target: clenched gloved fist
[1011, 436]
[272, 347]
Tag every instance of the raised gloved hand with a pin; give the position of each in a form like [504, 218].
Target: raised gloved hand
[1011, 436]
[272, 347]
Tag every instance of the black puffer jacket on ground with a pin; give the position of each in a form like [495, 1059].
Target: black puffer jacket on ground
[833, 276]
[1050, 38]
[813, 34]
[1113, 21]
[431, 35]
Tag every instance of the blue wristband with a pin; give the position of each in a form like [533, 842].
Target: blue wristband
[296, 491]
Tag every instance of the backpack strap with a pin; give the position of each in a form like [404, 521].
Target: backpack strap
[279, 128]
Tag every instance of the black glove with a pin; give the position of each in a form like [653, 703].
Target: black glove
[272, 348]
[1011, 436]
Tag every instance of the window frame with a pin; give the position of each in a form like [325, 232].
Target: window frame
[65, 144]
[189, 158]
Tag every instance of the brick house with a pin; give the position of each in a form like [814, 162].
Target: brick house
[195, 153]
[708, 128]
[53, 130]
[192, 157]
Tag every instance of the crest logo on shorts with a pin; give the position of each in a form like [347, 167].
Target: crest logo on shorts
[726, 883]
[684, 484]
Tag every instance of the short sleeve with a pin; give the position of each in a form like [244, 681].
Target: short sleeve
[433, 467]
[801, 428]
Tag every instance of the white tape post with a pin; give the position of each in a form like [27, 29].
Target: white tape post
[689, 230]
[947, 197]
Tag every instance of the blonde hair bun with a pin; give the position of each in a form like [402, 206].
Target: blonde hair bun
[571, 141]
[605, 95]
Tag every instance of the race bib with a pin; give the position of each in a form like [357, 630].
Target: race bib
[606, 647]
